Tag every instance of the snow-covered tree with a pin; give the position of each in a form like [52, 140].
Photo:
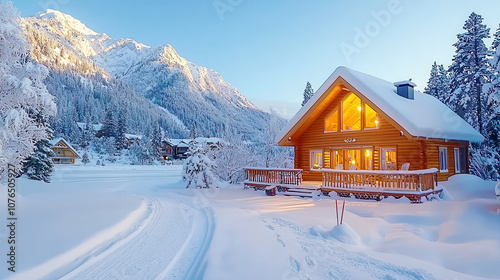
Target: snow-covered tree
[437, 85]
[85, 158]
[469, 72]
[121, 129]
[232, 156]
[308, 93]
[39, 165]
[198, 167]
[155, 146]
[274, 155]
[109, 126]
[25, 104]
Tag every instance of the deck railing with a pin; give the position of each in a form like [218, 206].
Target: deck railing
[417, 180]
[274, 175]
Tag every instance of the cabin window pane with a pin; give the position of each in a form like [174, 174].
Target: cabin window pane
[352, 157]
[316, 159]
[332, 121]
[456, 152]
[371, 117]
[337, 159]
[443, 160]
[368, 159]
[388, 159]
[351, 112]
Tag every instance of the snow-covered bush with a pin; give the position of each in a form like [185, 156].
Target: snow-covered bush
[497, 190]
[25, 104]
[198, 167]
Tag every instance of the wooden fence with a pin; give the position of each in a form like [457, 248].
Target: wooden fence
[279, 176]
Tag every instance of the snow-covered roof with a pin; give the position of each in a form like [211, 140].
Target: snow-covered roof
[182, 145]
[83, 126]
[54, 142]
[177, 142]
[423, 116]
[133, 136]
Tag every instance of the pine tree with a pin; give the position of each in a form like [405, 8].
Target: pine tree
[308, 93]
[109, 127]
[85, 158]
[432, 85]
[437, 85]
[469, 72]
[25, 104]
[39, 165]
[156, 143]
[121, 129]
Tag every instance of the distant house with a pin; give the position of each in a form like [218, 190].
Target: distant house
[131, 139]
[359, 122]
[64, 152]
[178, 148]
[167, 150]
[96, 128]
[181, 150]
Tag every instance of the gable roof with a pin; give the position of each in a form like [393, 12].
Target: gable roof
[54, 142]
[424, 116]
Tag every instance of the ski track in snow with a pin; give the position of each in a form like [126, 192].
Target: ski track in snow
[170, 243]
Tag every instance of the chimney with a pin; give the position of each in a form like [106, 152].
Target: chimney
[405, 88]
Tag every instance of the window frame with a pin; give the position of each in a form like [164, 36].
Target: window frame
[443, 160]
[342, 113]
[337, 109]
[363, 115]
[456, 158]
[314, 152]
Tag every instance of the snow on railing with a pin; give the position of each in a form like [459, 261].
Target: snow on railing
[417, 180]
[274, 175]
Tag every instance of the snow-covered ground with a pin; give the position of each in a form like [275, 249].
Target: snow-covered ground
[139, 222]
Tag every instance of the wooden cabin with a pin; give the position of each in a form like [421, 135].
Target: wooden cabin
[167, 150]
[64, 152]
[359, 122]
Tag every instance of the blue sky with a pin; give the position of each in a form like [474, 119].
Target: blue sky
[270, 49]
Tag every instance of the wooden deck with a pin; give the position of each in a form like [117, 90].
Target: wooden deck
[362, 184]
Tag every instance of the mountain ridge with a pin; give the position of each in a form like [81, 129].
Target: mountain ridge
[188, 93]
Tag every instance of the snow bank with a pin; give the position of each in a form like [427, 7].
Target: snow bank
[344, 233]
[465, 187]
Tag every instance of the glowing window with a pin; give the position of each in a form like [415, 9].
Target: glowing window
[351, 113]
[332, 121]
[371, 117]
[316, 159]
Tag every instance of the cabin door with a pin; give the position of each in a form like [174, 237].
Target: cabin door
[388, 159]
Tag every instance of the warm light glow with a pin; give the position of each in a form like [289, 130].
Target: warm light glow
[371, 117]
[351, 112]
[331, 122]
[353, 162]
[367, 153]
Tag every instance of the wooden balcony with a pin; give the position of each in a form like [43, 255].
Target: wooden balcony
[365, 184]
[417, 180]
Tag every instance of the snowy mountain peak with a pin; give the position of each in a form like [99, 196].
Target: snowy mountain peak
[188, 93]
[67, 21]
